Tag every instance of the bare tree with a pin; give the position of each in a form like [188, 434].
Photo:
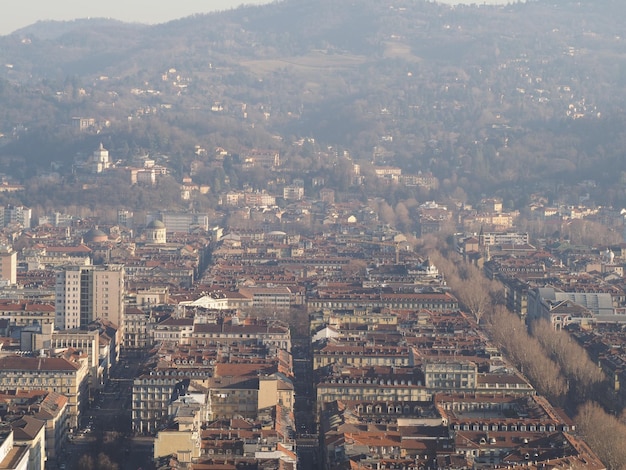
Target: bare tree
[527, 354]
[581, 372]
[604, 433]
[86, 463]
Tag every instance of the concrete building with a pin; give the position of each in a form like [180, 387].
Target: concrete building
[125, 218]
[185, 222]
[8, 266]
[293, 193]
[136, 329]
[153, 393]
[272, 298]
[17, 215]
[83, 123]
[262, 158]
[180, 222]
[504, 238]
[86, 293]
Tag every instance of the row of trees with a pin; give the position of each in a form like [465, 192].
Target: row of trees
[527, 354]
[582, 374]
[477, 293]
[557, 366]
[604, 433]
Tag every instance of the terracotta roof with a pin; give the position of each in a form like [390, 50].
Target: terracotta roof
[21, 363]
[24, 306]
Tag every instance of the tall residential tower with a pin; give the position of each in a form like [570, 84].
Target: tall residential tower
[86, 293]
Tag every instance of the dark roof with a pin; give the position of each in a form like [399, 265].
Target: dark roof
[21, 363]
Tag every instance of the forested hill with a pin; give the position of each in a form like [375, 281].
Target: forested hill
[483, 96]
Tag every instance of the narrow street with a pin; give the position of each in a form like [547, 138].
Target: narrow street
[106, 426]
[307, 438]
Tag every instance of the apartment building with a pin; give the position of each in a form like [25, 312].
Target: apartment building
[152, 394]
[293, 192]
[31, 432]
[8, 266]
[48, 407]
[326, 299]
[136, 323]
[272, 298]
[252, 331]
[276, 389]
[88, 342]
[20, 215]
[504, 238]
[360, 354]
[12, 455]
[27, 313]
[70, 378]
[261, 158]
[372, 384]
[231, 396]
[86, 293]
[446, 375]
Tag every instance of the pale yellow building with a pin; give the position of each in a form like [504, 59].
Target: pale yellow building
[8, 266]
[60, 375]
[276, 389]
[53, 411]
[27, 313]
[88, 342]
[182, 437]
[86, 293]
[184, 443]
[31, 432]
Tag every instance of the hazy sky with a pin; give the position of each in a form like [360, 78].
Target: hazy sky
[25, 12]
[22, 13]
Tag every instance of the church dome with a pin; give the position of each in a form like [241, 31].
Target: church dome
[95, 236]
[155, 224]
[155, 232]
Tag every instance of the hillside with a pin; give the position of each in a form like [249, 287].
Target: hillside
[507, 98]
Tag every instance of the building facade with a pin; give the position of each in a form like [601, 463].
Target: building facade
[59, 375]
[8, 266]
[86, 293]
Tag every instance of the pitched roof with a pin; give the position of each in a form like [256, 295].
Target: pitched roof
[27, 428]
[20, 363]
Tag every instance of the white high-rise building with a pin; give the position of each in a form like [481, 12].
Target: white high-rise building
[16, 215]
[86, 293]
[125, 218]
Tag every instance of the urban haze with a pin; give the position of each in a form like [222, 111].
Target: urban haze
[312, 235]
